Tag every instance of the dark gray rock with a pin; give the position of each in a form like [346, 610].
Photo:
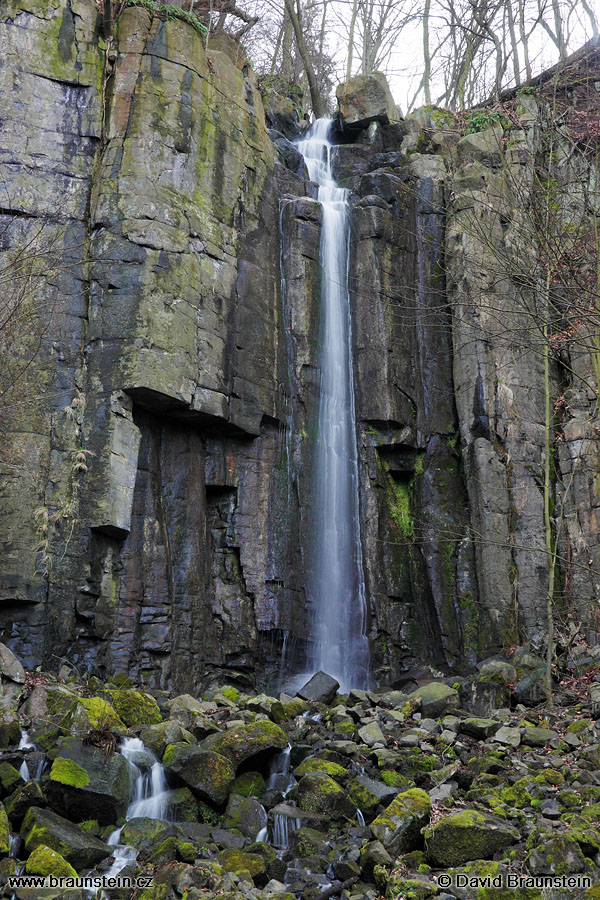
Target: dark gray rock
[321, 688]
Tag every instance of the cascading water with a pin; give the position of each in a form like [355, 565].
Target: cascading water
[281, 779]
[337, 587]
[150, 799]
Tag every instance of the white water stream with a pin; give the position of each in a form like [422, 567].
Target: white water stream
[150, 799]
[281, 779]
[337, 587]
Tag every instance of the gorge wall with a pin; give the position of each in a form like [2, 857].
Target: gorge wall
[157, 454]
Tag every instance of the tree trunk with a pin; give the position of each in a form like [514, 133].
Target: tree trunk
[315, 98]
[426, 55]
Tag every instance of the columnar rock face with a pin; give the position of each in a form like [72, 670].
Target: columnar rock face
[156, 491]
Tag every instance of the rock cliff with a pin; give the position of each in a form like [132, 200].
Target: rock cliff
[155, 496]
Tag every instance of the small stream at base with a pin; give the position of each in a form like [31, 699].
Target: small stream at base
[281, 779]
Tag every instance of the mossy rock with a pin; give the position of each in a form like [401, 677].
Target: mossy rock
[183, 806]
[67, 771]
[21, 799]
[466, 835]
[80, 849]
[435, 699]
[306, 841]
[521, 794]
[367, 794]
[158, 737]
[152, 838]
[246, 741]
[92, 713]
[313, 765]
[245, 814]
[135, 708]
[10, 778]
[261, 848]
[4, 832]
[401, 888]
[394, 779]
[237, 861]
[10, 730]
[560, 855]
[321, 794]
[399, 826]
[84, 783]
[250, 784]
[44, 861]
[209, 775]
[283, 712]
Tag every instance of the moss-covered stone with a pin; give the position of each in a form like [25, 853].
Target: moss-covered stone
[10, 778]
[313, 765]
[85, 783]
[401, 888]
[183, 806]
[10, 730]
[238, 861]
[467, 835]
[399, 826]
[44, 861]
[209, 775]
[435, 698]
[245, 814]
[80, 849]
[92, 712]
[4, 831]
[521, 794]
[250, 784]
[283, 712]
[306, 841]
[561, 855]
[246, 741]
[67, 771]
[135, 708]
[321, 794]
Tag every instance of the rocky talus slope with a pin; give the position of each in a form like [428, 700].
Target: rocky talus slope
[364, 796]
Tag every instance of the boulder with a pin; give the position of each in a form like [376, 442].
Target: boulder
[321, 688]
[182, 805]
[45, 861]
[10, 730]
[399, 825]
[246, 741]
[365, 99]
[238, 861]
[209, 775]
[321, 794]
[479, 728]
[371, 734]
[435, 698]
[23, 798]
[367, 794]
[529, 689]
[246, 814]
[86, 784]
[560, 855]
[469, 834]
[10, 667]
[80, 848]
[158, 737]
[134, 707]
[147, 835]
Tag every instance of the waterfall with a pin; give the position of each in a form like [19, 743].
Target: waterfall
[281, 779]
[337, 587]
[150, 800]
